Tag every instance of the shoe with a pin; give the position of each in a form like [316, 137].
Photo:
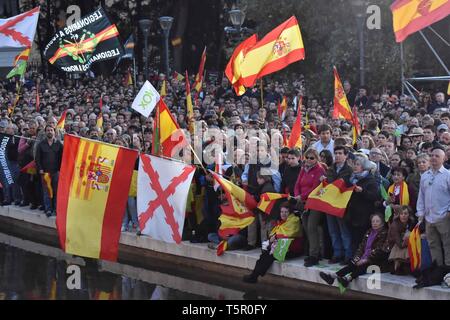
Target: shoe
[212, 246]
[327, 278]
[48, 213]
[23, 204]
[42, 208]
[249, 247]
[344, 282]
[123, 229]
[6, 203]
[345, 261]
[17, 203]
[33, 207]
[312, 261]
[335, 260]
[250, 278]
[138, 231]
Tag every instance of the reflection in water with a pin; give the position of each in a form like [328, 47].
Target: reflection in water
[31, 271]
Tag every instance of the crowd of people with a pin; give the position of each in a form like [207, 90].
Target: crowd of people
[403, 147]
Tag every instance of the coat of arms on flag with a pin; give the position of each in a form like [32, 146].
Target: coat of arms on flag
[161, 198]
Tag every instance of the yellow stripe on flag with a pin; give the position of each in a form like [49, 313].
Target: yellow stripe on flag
[87, 198]
[405, 14]
[167, 126]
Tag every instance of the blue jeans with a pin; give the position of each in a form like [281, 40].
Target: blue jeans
[234, 242]
[50, 204]
[341, 239]
[130, 213]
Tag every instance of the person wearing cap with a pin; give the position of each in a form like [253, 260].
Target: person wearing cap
[440, 130]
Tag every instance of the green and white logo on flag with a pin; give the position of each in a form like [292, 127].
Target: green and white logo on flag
[146, 100]
[281, 249]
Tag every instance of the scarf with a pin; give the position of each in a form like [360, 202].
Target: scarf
[404, 193]
[287, 229]
[355, 177]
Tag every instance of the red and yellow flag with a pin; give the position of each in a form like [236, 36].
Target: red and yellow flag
[448, 89]
[282, 108]
[189, 107]
[199, 77]
[404, 193]
[295, 139]
[167, 137]
[331, 198]
[222, 247]
[410, 16]
[268, 201]
[177, 76]
[163, 91]
[238, 213]
[279, 48]
[356, 128]
[415, 248]
[62, 120]
[100, 121]
[233, 69]
[48, 184]
[341, 108]
[30, 168]
[91, 197]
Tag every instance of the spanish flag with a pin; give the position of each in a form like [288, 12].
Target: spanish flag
[331, 198]
[268, 201]
[238, 213]
[448, 89]
[61, 121]
[290, 228]
[199, 77]
[100, 121]
[222, 247]
[168, 136]
[91, 198]
[414, 248]
[356, 128]
[282, 108]
[177, 76]
[30, 168]
[295, 139]
[404, 193]
[189, 107]
[48, 184]
[278, 49]
[410, 16]
[341, 108]
[233, 69]
[163, 91]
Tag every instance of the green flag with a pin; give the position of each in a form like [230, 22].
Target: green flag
[281, 249]
[384, 193]
[387, 213]
[18, 70]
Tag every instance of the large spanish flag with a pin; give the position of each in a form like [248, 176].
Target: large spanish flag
[410, 16]
[331, 198]
[279, 48]
[92, 193]
[233, 69]
[238, 213]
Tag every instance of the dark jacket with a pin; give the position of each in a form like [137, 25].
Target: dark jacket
[397, 231]
[362, 204]
[344, 173]
[253, 169]
[289, 179]
[380, 248]
[48, 158]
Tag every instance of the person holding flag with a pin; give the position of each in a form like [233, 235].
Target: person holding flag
[285, 242]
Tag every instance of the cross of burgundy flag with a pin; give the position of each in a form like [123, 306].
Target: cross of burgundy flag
[19, 31]
[161, 198]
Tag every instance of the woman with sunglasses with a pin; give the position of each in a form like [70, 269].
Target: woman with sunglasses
[307, 181]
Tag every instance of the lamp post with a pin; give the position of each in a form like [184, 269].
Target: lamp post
[237, 18]
[144, 24]
[360, 18]
[166, 24]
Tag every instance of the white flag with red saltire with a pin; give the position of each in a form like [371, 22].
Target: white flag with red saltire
[19, 31]
[162, 191]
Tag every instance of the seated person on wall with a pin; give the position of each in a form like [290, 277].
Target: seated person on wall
[373, 250]
[288, 228]
[398, 236]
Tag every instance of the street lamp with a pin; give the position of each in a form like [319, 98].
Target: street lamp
[166, 24]
[360, 18]
[237, 18]
[144, 24]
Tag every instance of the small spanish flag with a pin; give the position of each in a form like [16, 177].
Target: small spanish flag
[163, 91]
[48, 184]
[282, 107]
[268, 201]
[199, 77]
[100, 121]
[295, 139]
[62, 121]
[222, 247]
[448, 89]
[331, 198]
[30, 168]
[414, 248]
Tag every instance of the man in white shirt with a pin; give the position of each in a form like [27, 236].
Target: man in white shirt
[325, 142]
[433, 205]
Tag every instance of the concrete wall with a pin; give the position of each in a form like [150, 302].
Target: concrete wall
[398, 287]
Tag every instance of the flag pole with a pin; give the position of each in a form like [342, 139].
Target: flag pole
[134, 74]
[262, 93]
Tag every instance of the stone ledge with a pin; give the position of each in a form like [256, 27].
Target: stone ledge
[399, 287]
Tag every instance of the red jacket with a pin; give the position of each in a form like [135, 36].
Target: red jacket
[308, 181]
